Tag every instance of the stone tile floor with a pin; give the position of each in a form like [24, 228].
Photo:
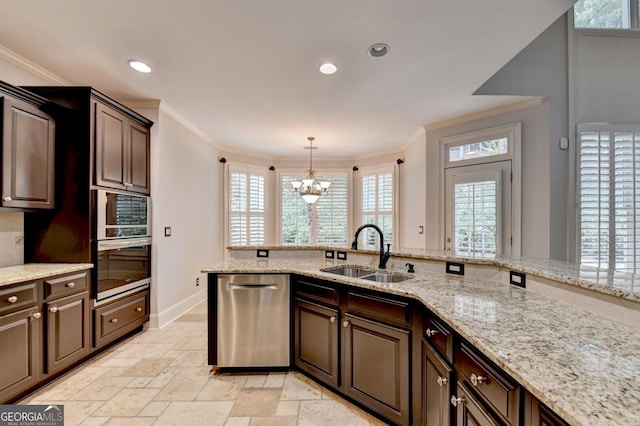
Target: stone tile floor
[161, 377]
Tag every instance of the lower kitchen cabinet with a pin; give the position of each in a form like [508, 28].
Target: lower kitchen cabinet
[469, 410]
[377, 366]
[115, 319]
[316, 341]
[68, 331]
[20, 351]
[437, 379]
[538, 414]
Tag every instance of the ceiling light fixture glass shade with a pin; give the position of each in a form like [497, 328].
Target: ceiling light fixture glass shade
[310, 188]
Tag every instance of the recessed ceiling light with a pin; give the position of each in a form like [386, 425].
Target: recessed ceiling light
[328, 68]
[379, 49]
[140, 66]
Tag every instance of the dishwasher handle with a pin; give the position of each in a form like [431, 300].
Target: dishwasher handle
[251, 286]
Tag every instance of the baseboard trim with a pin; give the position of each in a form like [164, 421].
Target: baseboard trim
[161, 319]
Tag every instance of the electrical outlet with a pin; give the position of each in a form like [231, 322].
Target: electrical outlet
[19, 240]
[197, 282]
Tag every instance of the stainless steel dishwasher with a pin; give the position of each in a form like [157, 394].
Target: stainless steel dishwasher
[253, 320]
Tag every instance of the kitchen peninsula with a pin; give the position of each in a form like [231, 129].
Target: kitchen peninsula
[580, 364]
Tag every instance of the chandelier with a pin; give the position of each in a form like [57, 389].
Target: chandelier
[310, 189]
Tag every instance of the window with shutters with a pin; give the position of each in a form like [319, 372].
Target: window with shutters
[377, 201]
[326, 222]
[609, 196]
[246, 206]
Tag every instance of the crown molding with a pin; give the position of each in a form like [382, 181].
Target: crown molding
[141, 103]
[517, 106]
[32, 68]
[188, 125]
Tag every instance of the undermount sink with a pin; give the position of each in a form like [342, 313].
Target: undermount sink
[385, 278]
[367, 274]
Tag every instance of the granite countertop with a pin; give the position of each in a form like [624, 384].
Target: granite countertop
[35, 271]
[616, 283]
[582, 365]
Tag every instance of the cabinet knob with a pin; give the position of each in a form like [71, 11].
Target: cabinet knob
[53, 309]
[71, 284]
[442, 381]
[476, 380]
[35, 315]
[429, 332]
[345, 324]
[7, 198]
[12, 299]
[114, 320]
[128, 185]
[138, 309]
[332, 319]
[456, 401]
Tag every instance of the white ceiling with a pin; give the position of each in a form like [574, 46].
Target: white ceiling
[245, 72]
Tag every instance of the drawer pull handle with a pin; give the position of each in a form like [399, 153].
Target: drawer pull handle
[7, 199]
[12, 299]
[456, 401]
[345, 324]
[53, 309]
[138, 309]
[35, 315]
[114, 320]
[429, 332]
[333, 320]
[71, 285]
[477, 380]
[442, 381]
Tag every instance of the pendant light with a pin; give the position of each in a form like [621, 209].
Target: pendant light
[310, 188]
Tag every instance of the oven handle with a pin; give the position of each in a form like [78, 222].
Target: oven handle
[131, 242]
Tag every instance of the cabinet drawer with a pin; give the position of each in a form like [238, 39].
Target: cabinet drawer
[317, 290]
[489, 382]
[118, 315]
[18, 297]
[439, 335]
[66, 285]
[381, 308]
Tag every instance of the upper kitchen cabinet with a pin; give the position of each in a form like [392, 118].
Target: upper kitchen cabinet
[122, 151]
[28, 150]
[114, 139]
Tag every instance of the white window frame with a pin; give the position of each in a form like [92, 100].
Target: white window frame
[513, 133]
[248, 170]
[357, 199]
[301, 173]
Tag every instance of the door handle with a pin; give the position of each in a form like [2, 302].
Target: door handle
[234, 286]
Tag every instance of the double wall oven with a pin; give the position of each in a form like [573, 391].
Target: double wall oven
[123, 243]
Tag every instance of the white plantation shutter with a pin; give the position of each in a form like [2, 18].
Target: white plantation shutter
[246, 207]
[324, 222]
[377, 206]
[475, 217]
[609, 196]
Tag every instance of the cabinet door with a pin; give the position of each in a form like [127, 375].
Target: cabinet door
[110, 147]
[19, 352]
[376, 366]
[138, 158]
[316, 341]
[470, 411]
[437, 376]
[28, 152]
[68, 331]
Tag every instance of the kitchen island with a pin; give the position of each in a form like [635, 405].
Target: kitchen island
[581, 365]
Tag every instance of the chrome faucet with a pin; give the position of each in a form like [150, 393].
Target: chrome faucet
[384, 257]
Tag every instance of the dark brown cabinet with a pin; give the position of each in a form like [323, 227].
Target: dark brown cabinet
[316, 341]
[121, 151]
[68, 331]
[469, 410]
[437, 378]
[20, 339]
[376, 366]
[28, 151]
[538, 414]
[114, 320]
